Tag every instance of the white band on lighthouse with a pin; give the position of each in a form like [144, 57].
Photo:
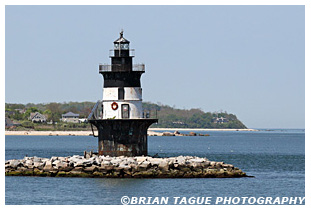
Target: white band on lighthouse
[130, 96]
[130, 93]
[134, 109]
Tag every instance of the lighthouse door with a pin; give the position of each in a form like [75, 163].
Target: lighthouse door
[125, 111]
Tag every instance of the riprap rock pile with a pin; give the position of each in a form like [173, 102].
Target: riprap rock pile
[122, 167]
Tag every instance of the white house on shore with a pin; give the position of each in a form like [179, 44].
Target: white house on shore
[220, 120]
[70, 117]
[37, 117]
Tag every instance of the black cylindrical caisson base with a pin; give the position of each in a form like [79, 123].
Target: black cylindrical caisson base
[122, 137]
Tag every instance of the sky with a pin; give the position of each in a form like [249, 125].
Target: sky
[245, 60]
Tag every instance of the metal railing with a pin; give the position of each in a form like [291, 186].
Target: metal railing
[150, 113]
[96, 112]
[131, 52]
[120, 67]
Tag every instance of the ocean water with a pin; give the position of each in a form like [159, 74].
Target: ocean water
[276, 158]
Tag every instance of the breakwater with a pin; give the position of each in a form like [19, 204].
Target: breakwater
[122, 167]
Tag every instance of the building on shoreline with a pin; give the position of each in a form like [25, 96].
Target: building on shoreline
[70, 117]
[37, 117]
[220, 120]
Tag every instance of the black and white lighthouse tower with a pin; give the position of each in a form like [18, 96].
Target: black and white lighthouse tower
[119, 118]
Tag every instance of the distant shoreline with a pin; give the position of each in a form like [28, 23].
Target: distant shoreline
[201, 129]
[151, 131]
[49, 133]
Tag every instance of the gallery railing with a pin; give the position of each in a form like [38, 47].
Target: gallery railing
[121, 67]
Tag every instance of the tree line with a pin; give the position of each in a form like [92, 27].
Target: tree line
[169, 117]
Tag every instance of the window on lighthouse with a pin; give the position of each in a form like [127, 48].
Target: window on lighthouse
[125, 111]
[120, 93]
[124, 46]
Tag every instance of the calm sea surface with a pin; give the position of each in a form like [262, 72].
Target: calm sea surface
[276, 158]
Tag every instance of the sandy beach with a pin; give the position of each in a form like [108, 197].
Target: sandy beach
[50, 133]
[151, 132]
[62, 133]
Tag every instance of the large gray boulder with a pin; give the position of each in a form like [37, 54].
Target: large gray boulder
[39, 164]
[140, 159]
[144, 165]
[125, 165]
[14, 163]
[77, 163]
[28, 162]
[115, 162]
[48, 166]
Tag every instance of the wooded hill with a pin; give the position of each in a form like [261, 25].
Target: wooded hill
[169, 117]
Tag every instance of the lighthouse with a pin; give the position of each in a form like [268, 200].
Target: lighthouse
[119, 118]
